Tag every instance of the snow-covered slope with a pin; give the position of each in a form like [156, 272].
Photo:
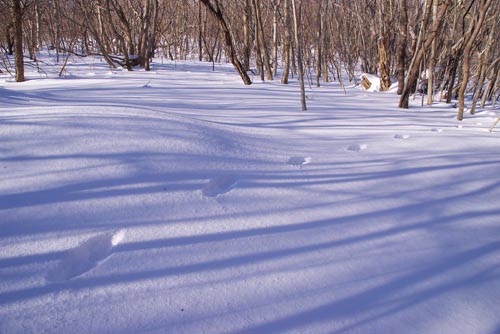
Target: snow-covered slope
[181, 201]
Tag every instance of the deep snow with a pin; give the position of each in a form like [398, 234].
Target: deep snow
[181, 201]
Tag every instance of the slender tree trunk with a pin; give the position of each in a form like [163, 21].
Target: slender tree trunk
[401, 52]
[17, 14]
[432, 59]
[38, 39]
[275, 37]
[200, 32]
[258, 55]
[385, 78]
[319, 44]
[287, 39]
[151, 44]
[324, 42]
[58, 38]
[262, 41]
[297, 23]
[247, 48]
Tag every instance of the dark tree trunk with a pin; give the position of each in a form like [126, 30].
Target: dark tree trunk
[9, 39]
[401, 53]
[287, 40]
[17, 14]
[297, 13]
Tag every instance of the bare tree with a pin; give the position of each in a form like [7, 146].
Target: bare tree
[469, 41]
[216, 10]
[419, 55]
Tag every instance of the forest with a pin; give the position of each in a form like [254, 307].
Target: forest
[249, 166]
[447, 49]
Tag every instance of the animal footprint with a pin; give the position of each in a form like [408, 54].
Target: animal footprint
[436, 130]
[299, 161]
[401, 136]
[219, 185]
[86, 256]
[356, 147]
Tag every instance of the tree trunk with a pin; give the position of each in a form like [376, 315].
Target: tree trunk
[319, 44]
[432, 59]
[200, 32]
[275, 38]
[262, 41]
[324, 42]
[300, 65]
[287, 39]
[17, 14]
[401, 51]
[247, 48]
[453, 74]
[385, 79]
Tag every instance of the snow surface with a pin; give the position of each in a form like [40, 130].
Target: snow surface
[181, 201]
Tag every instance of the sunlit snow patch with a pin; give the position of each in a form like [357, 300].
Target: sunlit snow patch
[299, 161]
[219, 185]
[85, 256]
[356, 147]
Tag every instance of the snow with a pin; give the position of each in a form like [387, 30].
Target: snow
[181, 201]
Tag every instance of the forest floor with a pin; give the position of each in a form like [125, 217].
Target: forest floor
[181, 201]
